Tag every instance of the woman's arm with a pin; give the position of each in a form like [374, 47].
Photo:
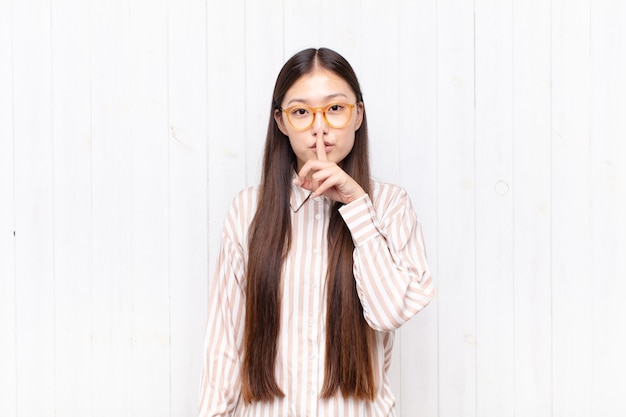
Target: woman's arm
[221, 382]
[392, 276]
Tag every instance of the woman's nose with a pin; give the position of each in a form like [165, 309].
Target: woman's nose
[319, 123]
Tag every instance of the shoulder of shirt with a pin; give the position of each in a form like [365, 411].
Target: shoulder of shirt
[389, 199]
[244, 202]
[391, 191]
[247, 194]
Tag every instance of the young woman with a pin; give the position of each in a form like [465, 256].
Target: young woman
[319, 264]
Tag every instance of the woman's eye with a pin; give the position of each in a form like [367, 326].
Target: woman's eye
[335, 108]
[300, 112]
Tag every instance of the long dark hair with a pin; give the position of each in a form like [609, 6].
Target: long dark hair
[349, 340]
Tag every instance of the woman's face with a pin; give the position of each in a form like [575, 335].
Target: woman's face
[319, 89]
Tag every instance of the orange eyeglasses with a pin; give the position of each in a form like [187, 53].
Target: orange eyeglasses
[302, 117]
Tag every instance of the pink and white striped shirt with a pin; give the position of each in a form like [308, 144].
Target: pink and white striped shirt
[393, 283]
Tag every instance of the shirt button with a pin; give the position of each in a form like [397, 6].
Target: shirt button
[317, 251]
[317, 216]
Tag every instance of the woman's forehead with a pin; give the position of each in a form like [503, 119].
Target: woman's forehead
[319, 86]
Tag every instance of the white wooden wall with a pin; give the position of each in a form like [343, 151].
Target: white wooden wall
[126, 127]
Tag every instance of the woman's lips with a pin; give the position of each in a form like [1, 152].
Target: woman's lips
[327, 148]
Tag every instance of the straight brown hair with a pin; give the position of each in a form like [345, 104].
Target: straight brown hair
[349, 339]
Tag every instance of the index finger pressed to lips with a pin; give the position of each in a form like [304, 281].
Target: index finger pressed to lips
[320, 149]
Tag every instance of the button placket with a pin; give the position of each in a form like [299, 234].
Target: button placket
[317, 250]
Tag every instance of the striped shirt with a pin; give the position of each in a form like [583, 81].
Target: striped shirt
[393, 283]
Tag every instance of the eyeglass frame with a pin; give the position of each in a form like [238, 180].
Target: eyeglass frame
[314, 111]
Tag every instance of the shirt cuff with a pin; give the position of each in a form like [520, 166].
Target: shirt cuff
[361, 219]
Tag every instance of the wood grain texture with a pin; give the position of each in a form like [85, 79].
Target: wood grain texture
[72, 214]
[456, 210]
[571, 209]
[608, 203]
[532, 187]
[150, 284]
[8, 296]
[34, 217]
[187, 199]
[111, 195]
[494, 208]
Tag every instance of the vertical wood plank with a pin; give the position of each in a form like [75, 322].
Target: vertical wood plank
[532, 206]
[8, 352]
[494, 208]
[456, 209]
[608, 178]
[34, 226]
[417, 121]
[263, 60]
[378, 61]
[188, 226]
[71, 153]
[341, 30]
[302, 26]
[111, 195]
[571, 227]
[150, 283]
[225, 129]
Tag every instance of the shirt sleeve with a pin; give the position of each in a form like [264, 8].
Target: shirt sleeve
[220, 382]
[392, 276]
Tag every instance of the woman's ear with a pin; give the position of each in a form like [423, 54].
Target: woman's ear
[360, 109]
[278, 117]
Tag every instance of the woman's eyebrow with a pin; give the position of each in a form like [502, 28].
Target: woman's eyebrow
[305, 101]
